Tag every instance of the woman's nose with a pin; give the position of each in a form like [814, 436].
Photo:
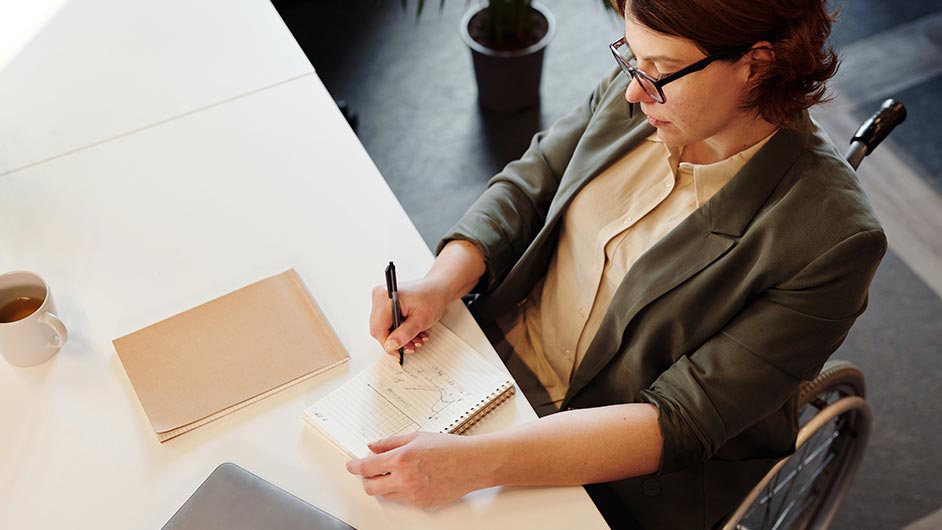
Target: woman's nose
[635, 94]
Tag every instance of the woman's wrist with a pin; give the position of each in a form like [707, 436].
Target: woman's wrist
[478, 457]
[457, 269]
[443, 286]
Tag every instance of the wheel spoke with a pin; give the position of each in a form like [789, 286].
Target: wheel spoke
[781, 518]
[824, 445]
[801, 514]
[790, 481]
[801, 470]
[768, 506]
[817, 473]
[800, 493]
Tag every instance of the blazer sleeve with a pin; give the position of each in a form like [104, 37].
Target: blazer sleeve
[749, 369]
[510, 213]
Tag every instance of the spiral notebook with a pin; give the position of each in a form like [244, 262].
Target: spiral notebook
[445, 387]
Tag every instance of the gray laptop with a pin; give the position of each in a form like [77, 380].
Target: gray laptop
[235, 499]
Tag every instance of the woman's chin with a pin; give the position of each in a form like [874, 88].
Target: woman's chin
[668, 135]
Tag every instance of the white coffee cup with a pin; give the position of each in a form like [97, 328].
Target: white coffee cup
[30, 331]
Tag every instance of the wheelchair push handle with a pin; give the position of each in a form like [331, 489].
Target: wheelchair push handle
[875, 130]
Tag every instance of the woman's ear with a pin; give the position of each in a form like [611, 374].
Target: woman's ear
[759, 58]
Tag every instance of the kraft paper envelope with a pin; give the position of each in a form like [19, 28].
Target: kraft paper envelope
[218, 357]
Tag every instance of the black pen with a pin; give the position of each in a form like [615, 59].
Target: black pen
[392, 290]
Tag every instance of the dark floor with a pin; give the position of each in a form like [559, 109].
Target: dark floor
[412, 85]
[861, 19]
[919, 139]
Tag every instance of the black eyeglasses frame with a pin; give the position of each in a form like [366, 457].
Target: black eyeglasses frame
[658, 84]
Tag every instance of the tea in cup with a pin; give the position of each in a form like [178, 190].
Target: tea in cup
[30, 329]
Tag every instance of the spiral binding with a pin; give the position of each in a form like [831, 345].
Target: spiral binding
[481, 409]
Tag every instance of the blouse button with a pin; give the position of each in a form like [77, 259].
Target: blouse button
[651, 487]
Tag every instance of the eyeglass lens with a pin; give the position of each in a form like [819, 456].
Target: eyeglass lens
[644, 80]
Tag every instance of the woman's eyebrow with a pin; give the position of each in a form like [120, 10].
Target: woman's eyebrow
[663, 59]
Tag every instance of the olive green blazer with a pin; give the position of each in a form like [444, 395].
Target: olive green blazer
[718, 323]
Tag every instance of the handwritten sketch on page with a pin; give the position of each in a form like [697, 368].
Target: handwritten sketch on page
[436, 390]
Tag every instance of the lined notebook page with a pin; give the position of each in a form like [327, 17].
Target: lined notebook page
[435, 390]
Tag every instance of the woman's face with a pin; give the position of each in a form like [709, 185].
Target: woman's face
[700, 106]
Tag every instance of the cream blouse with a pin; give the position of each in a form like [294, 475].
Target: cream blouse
[610, 223]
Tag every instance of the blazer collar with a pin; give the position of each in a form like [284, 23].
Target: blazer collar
[608, 138]
[735, 205]
[699, 240]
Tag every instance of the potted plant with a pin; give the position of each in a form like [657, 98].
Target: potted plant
[507, 39]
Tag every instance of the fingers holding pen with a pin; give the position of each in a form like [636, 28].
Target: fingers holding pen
[381, 321]
[421, 339]
[415, 344]
[380, 316]
[421, 304]
[409, 346]
[409, 337]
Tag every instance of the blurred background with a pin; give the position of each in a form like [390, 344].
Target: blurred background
[410, 82]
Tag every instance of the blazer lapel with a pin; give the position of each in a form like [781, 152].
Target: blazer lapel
[608, 139]
[610, 136]
[699, 240]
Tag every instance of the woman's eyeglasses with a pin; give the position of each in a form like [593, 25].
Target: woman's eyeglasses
[653, 87]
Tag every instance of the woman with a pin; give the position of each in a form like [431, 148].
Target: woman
[665, 272]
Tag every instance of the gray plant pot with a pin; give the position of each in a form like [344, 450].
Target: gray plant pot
[508, 80]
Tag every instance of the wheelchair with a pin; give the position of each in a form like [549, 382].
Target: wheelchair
[804, 490]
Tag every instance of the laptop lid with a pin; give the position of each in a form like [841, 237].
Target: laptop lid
[232, 498]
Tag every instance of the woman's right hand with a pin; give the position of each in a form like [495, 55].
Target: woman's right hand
[422, 303]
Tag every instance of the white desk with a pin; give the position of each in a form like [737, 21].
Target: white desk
[148, 224]
[77, 72]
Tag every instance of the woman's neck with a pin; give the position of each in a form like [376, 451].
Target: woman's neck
[733, 139]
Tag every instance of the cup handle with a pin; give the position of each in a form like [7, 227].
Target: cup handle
[53, 322]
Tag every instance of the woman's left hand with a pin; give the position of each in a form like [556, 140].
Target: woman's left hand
[422, 469]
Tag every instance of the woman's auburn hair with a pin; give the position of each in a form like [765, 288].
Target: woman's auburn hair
[798, 30]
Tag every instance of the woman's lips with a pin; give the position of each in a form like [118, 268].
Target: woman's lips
[656, 122]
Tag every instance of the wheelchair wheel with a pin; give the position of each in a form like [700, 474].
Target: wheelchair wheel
[804, 490]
